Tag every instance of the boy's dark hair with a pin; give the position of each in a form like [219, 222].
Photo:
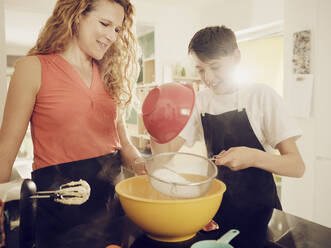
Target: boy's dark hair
[213, 42]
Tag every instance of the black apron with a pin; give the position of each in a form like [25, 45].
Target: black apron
[251, 194]
[92, 224]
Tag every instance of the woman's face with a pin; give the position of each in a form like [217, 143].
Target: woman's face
[99, 28]
[218, 74]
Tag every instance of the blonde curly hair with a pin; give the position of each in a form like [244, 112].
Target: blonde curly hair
[119, 66]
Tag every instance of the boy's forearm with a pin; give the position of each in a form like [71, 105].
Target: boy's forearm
[290, 164]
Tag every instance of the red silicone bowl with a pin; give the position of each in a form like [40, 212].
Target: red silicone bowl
[166, 110]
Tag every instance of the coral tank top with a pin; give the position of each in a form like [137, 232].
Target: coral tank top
[71, 121]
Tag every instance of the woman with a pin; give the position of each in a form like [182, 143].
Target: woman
[73, 87]
[240, 124]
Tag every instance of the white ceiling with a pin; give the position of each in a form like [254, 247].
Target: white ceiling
[42, 6]
[25, 18]
[38, 6]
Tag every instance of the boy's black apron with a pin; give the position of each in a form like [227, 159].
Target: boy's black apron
[251, 195]
[92, 224]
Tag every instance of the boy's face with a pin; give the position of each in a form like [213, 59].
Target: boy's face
[218, 74]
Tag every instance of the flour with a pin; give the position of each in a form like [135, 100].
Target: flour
[169, 176]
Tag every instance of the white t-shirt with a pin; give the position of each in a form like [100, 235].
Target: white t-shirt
[264, 107]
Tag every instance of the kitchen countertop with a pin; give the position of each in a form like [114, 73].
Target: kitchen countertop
[285, 230]
[288, 230]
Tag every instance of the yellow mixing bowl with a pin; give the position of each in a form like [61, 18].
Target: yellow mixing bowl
[164, 218]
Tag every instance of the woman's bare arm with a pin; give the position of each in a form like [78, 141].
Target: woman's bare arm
[128, 151]
[24, 86]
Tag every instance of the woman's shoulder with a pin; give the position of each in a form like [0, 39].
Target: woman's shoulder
[29, 65]
[27, 69]
[37, 59]
[28, 61]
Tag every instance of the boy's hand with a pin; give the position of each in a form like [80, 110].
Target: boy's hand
[238, 158]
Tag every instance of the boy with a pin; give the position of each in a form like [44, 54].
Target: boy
[241, 125]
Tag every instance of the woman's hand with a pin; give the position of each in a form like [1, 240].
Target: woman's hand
[238, 158]
[138, 166]
[130, 155]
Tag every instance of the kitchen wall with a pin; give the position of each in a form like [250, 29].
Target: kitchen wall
[310, 197]
[242, 14]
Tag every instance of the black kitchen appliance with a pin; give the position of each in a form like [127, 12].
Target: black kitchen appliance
[27, 209]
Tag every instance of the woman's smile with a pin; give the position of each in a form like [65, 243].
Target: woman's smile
[102, 45]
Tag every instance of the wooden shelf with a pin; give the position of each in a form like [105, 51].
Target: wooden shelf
[195, 82]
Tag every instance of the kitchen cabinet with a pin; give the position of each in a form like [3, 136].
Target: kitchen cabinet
[147, 61]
